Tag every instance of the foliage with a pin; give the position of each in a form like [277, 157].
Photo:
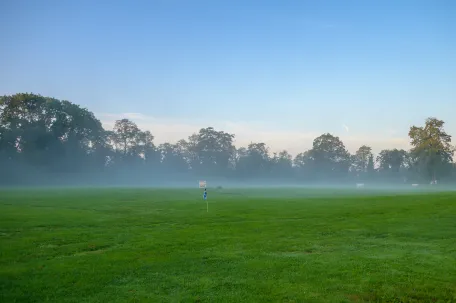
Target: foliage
[431, 147]
[44, 138]
[330, 157]
[43, 132]
[362, 159]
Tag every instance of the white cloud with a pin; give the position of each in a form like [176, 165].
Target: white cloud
[346, 128]
[135, 116]
[172, 130]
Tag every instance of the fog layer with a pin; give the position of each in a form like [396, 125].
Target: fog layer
[48, 142]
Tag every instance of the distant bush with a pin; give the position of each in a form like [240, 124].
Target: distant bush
[219, 187]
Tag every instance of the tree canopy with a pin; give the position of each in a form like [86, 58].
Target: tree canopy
[45, 139]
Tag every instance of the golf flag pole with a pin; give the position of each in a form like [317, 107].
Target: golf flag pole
[202, 184]
[205, 198]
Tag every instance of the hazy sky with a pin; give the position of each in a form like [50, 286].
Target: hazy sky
[281, 72]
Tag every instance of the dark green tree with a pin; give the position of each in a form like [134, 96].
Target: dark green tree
[330, 157]
[432, 148]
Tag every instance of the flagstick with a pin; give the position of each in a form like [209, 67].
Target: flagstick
[207, 204]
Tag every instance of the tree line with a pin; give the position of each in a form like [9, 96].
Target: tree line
[45, 140]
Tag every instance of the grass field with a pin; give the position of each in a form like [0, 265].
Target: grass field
[271, 245]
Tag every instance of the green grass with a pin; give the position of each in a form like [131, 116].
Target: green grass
[145, 245]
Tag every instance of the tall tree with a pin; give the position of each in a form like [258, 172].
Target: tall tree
[370, 165]
[253, 161]
[48, 133]
[303, 160]
[125, 137]
[432, 147]
[282, 164]
[304, 165]
[330, 156]
[132, 145]
[391, 160]
[361, 159]
[213, 149]
[172, 158]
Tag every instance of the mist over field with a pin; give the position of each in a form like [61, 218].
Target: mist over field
[48, 142]
[227, 151]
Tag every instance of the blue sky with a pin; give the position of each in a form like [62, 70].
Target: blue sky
[281, 72]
